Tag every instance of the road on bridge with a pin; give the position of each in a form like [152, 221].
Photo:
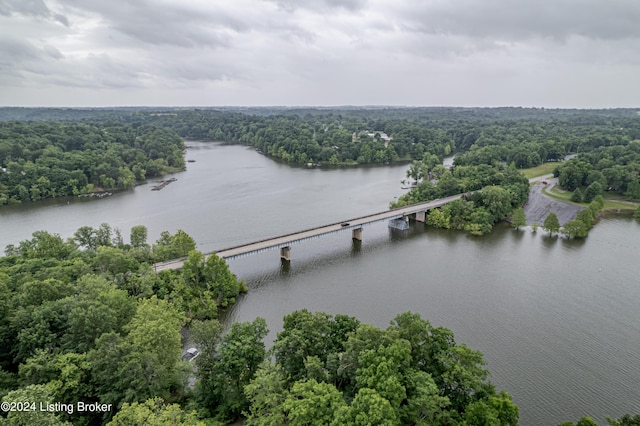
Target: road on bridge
[285, 240]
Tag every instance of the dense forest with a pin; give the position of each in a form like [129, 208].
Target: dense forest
[115, 148]
[490, 144]
[524, 137]
[606, 168]
[88, 319]
[50, 159]
[120, 147]
[91, 333]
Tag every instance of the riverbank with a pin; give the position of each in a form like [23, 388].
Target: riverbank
[558, 335]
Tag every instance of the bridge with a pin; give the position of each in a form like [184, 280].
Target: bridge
[284, 242]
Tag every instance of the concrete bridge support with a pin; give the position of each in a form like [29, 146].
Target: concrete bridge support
[285, 253]
[356, 234]
[421, 217]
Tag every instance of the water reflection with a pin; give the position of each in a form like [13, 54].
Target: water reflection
[549, 241]
[285, 267]
[356, 247]
[559, 334]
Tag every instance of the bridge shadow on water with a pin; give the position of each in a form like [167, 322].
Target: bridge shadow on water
[356, 250]
[327, 258]
[261, 269]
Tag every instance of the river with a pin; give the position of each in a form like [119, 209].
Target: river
[557, 320]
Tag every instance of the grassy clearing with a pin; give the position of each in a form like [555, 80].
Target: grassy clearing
[559, 194]
[615, 202]
[541, 170]
[612, 201]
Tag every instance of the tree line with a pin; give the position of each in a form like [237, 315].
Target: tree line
[115, 148]
[524, 137]
[604, 169]
[51, 159]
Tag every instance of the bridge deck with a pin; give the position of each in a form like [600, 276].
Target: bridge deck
[296, 237]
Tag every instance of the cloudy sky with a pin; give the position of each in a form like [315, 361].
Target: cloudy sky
[543, 53]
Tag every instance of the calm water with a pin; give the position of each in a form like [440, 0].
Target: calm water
[557, 320]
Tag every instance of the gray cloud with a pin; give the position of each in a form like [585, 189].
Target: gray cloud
[24, 7]
[16, 55]
[319, 5]
[175, 24]
[20, 61]
[31, 8]
[13, 50]
[521, 19]
[52, 52]
[325, 51]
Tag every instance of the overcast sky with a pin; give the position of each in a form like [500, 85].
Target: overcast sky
[542, 53]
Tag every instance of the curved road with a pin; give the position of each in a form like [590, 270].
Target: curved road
[538, 206]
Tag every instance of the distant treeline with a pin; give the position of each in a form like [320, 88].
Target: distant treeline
[525, 137]
[146, 140]
[47, 159]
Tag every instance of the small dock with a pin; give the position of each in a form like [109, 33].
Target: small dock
[163, 183]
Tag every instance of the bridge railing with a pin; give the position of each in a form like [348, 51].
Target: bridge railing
[316, 228]
[388, 215]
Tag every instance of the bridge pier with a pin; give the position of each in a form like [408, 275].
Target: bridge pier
[421, 217]
[356, 234]
[285, 253]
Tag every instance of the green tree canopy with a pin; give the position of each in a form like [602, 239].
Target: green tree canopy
[224, 370]
[575, 229]
[518, 218]
[154, 412]
[551, 223]
[312, 403]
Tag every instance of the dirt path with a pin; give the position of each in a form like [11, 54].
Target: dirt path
[538, 206]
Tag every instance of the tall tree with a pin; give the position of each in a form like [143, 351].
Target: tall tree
[312, 403]
[551, 223]
[145, 362]
[497, 201]
[575, 229]
[138, 236]
[576, 196]
[224, 374]
[266, 393]
[633, 190]
[518, 218]
[367, 409]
